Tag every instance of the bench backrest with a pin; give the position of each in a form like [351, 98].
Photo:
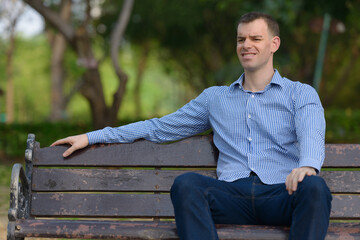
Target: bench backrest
[133, 180]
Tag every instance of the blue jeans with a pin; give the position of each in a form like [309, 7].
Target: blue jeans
[200, 202]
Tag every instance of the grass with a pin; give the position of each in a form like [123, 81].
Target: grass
[5, 173]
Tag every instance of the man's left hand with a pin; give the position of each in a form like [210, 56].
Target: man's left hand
[297, 175]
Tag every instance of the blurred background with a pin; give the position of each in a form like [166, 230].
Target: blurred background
[71, 66]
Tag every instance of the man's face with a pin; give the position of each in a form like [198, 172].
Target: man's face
[256, 45]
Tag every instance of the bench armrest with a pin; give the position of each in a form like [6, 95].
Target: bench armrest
[19, 194]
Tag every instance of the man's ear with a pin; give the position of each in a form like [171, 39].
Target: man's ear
[275, 44]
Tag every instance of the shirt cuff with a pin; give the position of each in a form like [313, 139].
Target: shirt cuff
[311, 162]
[96, 137]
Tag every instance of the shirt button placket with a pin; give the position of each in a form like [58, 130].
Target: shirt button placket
[249, 116]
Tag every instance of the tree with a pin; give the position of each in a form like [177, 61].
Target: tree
[58, 47]
[10, 12]
[79, 37]
[196, 38]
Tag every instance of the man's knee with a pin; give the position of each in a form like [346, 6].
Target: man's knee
[185, 183]
[314, 188]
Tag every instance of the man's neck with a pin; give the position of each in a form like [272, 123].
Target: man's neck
[257, 81]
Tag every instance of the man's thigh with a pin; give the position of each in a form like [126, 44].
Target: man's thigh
[229, 202]
[274, 206]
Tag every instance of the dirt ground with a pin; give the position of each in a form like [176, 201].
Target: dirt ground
[3, 223]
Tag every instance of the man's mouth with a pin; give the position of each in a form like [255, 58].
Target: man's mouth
[247, 54]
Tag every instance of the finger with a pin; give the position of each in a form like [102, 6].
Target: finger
[289, 183]
[294, 183]
[59, 142]
[301, 177]
[69, 151]
[298, 177]
[311, 172]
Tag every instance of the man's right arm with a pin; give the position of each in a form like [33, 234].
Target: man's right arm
[191, 119]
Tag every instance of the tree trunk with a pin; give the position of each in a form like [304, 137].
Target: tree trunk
[331, 96]
[80, 41]
[57, 68]
[139, 77]
[10, 104]
[57, 78]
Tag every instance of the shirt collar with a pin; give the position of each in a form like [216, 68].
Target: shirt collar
[276, 80]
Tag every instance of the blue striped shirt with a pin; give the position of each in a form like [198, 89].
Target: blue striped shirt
[269, 132]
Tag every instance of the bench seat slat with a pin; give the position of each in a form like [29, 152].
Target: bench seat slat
[144, 205]
[161, 230]
[102, 205]
[342, 181]
[106, 179]
[342, 155]
[63, 180]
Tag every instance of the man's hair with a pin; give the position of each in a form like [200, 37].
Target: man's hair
[271, 22]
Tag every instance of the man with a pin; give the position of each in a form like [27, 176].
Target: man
[270, 135]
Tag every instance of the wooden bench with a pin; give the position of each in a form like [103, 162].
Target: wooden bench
[122, 191]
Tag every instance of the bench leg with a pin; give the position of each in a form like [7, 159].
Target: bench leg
[11, 232]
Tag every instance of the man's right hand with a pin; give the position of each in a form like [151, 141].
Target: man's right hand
[77, 142]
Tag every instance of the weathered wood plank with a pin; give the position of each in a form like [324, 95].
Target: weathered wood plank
[63, 180]
[342, 181]
[96, 229]
[342, 155]
[106, 179]
[194, 151]
[346, 206]
[161, 230]
[144, 205]
[102, 205]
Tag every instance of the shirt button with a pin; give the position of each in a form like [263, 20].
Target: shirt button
[250, 139]
[249, 116]
[252, 96]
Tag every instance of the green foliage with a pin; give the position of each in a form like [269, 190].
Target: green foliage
[31, 79]
[197, 39]
[5, 173]
[342, 126]
[32, 84]
[13, 137]
[191, 42]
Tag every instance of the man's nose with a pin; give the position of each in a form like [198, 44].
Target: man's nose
[246, 43]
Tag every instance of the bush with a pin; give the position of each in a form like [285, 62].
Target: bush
[13, 136]
[342, 125]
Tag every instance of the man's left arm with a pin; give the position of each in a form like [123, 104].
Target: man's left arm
[310, 130]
